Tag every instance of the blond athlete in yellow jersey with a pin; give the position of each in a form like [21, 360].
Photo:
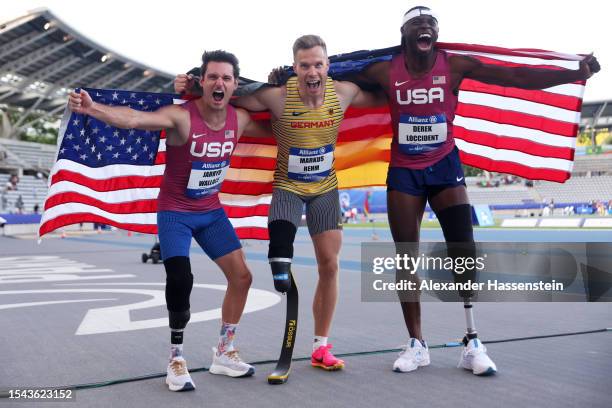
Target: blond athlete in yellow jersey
[306, 114]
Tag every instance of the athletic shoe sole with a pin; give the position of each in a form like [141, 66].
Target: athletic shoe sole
[489, 371]
[180, 388]
[335, 367]
[221, 370]
[423, 364]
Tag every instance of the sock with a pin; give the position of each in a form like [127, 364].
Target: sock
[318, 342]
[226, 338]
[176, 343]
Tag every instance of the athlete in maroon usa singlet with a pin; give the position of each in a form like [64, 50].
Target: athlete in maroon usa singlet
[195, 170]
[422, 113]
[201, 136]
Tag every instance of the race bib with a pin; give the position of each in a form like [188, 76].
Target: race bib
[206, 178]
[421, 134]
[310, 165]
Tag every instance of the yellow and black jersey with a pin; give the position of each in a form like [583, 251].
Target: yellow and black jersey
[306, 141]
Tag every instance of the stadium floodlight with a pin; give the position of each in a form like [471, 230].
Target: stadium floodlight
[105, 57]
[10, 78]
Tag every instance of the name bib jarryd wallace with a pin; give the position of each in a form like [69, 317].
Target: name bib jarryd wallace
[206, 178]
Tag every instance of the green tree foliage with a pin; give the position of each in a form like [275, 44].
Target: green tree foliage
[44, 130]
[470, 171]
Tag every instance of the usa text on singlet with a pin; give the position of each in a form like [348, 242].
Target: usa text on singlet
[422, 113]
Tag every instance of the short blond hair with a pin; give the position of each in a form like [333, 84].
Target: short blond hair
[307, 42]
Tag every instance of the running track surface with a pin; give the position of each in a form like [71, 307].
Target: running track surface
[48, 344]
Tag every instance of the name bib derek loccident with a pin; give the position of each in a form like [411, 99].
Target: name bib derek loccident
[421, 134]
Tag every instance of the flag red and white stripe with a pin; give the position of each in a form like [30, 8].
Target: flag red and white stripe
[529, 133]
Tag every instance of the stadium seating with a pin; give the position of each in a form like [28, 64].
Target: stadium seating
[597, 163]
[577, 189]
[505, 195]
[28, 155]
[31, 189]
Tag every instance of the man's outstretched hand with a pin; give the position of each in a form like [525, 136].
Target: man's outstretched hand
[589, 66]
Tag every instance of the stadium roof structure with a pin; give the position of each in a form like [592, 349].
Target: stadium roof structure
[42, 58]
[596, 115]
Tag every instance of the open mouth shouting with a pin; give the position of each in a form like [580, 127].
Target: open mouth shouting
[218, 95]
[313, 84]
[424, 42]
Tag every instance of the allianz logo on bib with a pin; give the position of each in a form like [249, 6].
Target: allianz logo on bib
[420, 119]
[419, 96]
[212, 149]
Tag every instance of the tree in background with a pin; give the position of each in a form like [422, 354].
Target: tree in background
[39, 128]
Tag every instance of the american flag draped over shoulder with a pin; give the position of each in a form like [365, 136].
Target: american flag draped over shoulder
[527, 133]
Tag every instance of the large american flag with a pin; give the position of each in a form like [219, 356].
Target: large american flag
[104, 174]
[111, 176]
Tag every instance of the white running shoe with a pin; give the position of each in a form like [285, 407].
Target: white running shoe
[415, 355]
[178, 378]
[474, 358]
[230, 364]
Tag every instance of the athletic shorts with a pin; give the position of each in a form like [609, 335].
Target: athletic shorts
[322, 211]
[212, 230]
[429, 181]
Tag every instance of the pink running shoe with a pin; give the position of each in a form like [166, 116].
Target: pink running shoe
[324, 359]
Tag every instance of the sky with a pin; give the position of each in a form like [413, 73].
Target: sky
[171, 36]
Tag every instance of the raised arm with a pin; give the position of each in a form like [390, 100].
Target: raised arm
[122, 116]
[266, 98]
[351, 94]
[270, 98]
[522, 77]
[253, 102]
[251, 127]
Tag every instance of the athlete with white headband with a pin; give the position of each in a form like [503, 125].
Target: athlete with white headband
[417, 12]
[422, 83]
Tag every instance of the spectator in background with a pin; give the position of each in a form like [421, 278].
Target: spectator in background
[19, 204]
[36, 208]
[601, 208]
[551, 206]
[11, 185]
[3, 200]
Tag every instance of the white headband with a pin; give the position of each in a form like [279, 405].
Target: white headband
[416, 13]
